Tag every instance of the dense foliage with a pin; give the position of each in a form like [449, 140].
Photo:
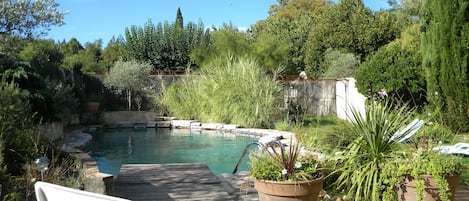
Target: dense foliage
[229, 90]
[15, 126]
[446, 60]
[26, 17]
[291, 22]
[348, 27]
[34, 67]
[397, 69]
[165, 46]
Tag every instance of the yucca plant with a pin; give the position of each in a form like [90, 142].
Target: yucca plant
[361, 163]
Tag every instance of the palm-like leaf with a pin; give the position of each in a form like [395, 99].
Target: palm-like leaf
[363, 159]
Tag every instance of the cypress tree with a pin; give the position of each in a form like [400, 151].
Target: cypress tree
[179, 19]
[445, 51]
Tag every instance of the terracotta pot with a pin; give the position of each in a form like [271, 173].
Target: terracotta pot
[285, 191]
[91, 107]
[406, 189]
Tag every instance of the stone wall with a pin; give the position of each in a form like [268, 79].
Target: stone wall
[52, 130]
[337, 97]
[117, 117]
[348, 99]
[310, 97]
[328, 97]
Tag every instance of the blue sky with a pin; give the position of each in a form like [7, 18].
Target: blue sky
[89, 20]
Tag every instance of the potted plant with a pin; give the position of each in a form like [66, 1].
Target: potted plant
[423, 174]
[376, 133]
[92, 103]
[285, 174]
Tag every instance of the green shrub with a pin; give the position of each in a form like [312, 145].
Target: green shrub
[465, 174]
[15, 127]
[397, 68]
[226, 90]
[326, 134]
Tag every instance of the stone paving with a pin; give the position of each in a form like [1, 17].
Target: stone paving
[240, 185]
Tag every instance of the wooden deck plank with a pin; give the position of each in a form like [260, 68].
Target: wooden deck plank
[183, 181]
[462, 193]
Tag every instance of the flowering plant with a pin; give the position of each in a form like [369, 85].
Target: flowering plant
[276, 164]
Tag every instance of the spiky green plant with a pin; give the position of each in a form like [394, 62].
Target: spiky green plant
[275, 164]
[362, 161]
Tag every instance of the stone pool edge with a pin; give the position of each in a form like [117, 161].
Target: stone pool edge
[95, 181]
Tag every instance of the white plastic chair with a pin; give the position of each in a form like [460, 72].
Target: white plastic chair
[51, 192]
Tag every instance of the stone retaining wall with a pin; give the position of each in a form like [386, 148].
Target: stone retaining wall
[95, 181]
[52, 130]
[117, 117]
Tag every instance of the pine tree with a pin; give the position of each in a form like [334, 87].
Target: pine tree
[445, 50]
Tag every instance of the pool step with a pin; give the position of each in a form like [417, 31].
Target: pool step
[140, 125]
[164, 122]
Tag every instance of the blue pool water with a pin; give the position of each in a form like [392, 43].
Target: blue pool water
[114, 147]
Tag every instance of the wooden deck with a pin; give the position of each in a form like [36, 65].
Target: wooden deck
[185, 181]
[462, 193]
[168, 182]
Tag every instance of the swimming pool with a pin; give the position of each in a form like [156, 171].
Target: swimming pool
[220, 151]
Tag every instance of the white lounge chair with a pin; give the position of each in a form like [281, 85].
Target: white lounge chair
[412, 128]
[459, 148]
[51, 192]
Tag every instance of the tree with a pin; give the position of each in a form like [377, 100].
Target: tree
[44, 56]
[88, 59]
[270, 50]
[24, 17]
[114, 51]
[92, 58]
[50, 88]
[129, 77]
[71, 49]
[165, 46]
[445, 43]
[349, 27]
[339, 64]
[73, 46]
[397, 68]
[179, 18]
[292, 21]
[227, 41]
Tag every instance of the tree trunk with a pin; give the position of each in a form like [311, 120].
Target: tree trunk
[129, 98]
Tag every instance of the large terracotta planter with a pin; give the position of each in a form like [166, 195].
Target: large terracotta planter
[92, 107]
[286, 191]
[406, 190]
